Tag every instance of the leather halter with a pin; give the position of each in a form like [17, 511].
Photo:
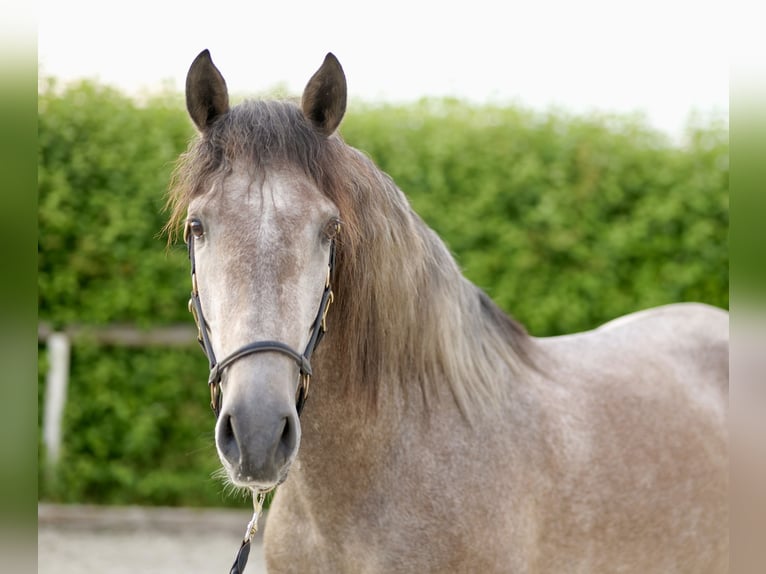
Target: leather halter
[318, 329]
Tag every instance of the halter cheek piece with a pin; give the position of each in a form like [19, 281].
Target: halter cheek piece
[318, 329]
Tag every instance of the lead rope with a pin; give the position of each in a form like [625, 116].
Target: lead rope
[252, 527]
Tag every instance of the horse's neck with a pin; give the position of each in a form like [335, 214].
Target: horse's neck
[412, 349]
[347, 443]
[376, 363]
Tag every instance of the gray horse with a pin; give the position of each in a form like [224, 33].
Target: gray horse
[439, 436]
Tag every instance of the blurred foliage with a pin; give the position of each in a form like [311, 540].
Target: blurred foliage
[565, 221]
[138, 429]
[104, 166]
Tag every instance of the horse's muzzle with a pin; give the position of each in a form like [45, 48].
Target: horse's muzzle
[257, 450]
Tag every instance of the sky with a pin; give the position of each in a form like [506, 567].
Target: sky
[665, 59]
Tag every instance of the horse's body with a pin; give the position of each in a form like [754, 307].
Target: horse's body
[614, 460]
[439, 436]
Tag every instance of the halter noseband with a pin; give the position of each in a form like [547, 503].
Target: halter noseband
[318, 329]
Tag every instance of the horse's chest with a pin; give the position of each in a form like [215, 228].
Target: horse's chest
[303, 547]
[375, 545]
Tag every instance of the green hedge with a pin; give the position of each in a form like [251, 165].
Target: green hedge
[104, 166]
[565, 221]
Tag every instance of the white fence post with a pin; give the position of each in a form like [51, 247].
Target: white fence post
[57, 378]
[56, 383]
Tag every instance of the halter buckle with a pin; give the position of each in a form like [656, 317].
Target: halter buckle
[302, 393]
[215, 397]
[330, 299]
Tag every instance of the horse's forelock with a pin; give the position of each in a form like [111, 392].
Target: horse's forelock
[259, 134]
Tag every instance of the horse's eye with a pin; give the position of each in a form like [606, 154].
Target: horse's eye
[332, 228]
[195, 229]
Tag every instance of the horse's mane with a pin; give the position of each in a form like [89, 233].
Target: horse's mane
[403, 311]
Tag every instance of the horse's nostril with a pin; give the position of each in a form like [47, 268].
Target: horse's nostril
[227, 439]
[287, 440]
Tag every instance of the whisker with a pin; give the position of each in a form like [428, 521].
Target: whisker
[230, 490]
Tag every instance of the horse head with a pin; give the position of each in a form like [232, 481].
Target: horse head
[261, 238]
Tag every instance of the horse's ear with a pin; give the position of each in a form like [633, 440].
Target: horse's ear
[206, 94]
[324, 98]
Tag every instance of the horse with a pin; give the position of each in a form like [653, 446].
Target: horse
[439, 435]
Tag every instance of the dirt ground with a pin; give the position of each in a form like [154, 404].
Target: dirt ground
[131, 540]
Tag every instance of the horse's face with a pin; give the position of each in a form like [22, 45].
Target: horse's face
[261, 250]
[261, 256]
